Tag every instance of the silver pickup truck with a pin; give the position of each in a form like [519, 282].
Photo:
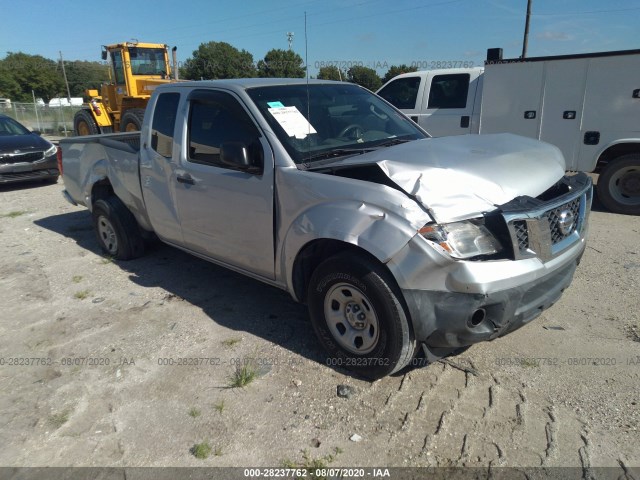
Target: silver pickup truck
[397, 242]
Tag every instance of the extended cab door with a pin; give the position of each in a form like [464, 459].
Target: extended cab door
[157, 167]
[225, 213]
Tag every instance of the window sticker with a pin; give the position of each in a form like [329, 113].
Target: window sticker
[275, 104]
[292, 121]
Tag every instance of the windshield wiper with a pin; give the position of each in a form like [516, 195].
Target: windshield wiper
[393, 141]
[333, 154]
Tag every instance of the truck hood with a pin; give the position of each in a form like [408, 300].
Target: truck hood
[464, 176]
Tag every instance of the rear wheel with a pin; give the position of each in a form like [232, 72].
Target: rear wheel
[132, 120]
[117, 230]
[84, 124]
[357, 314]
[619, 185]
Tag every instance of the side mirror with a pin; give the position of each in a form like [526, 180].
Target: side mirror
[238, 156]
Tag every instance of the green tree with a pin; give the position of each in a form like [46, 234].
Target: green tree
[215, 60]
[329, 73]
[21, 73]
[365, 77]
[279, 63]
[83, 75]
[395, 70]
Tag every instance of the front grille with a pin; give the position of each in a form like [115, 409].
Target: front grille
[569, 214]
[21, 157]
[522, 235]
[551, 227]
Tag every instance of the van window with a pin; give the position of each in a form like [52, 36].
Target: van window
[164, 121]
[449, 91]
[402, 93]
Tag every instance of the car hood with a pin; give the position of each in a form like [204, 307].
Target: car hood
[21, 143]
[464, 176]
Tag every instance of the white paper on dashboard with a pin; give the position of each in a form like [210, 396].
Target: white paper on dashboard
[293, 122]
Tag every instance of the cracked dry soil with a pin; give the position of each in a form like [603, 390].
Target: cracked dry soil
[161, 338]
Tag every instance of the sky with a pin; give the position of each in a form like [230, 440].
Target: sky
[373, 33]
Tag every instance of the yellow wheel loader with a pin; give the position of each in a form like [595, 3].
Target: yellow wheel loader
[135, 70]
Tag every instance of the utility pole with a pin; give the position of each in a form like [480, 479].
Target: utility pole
[290, 39]
[64, 73]
[525, 42]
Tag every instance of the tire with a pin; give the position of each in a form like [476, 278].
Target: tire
[132, 119]
[619, 185]
[84, 124]
[116, 229]
[51, 180]
[357, 314]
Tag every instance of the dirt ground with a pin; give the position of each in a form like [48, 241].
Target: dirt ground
[133, 364]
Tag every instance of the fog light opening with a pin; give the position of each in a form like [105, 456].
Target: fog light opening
[478, 317]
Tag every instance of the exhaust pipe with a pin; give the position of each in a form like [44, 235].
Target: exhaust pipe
[174, 54]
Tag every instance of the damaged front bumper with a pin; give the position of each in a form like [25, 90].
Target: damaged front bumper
[456, 303]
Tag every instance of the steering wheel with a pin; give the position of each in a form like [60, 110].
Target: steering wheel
[356, 131]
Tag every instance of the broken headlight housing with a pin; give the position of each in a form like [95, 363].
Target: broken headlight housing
[466, 239]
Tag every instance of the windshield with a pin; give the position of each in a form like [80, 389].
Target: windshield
[8, 126]
[317, 121]
[147, 61]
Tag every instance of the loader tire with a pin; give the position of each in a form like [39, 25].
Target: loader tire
[84, 124]
[132, 120]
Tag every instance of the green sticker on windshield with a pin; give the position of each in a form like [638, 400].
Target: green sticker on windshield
[275, 104]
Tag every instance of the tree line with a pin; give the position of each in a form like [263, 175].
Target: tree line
[21, 73]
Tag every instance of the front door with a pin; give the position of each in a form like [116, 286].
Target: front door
[225, 214]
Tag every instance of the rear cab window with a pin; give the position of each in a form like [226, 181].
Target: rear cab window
[449, 91]
[164, 122]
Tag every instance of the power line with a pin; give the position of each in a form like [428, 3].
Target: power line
[583, 13]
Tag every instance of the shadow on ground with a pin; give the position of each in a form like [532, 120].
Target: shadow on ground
[227, 298]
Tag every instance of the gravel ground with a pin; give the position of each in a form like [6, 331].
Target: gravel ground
[136, 363]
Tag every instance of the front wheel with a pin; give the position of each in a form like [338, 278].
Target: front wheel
[357, 314]
[116, 229]
[619, 185]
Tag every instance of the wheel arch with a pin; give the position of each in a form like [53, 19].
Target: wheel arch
[312, 254]
[328, 228]
[617, 149]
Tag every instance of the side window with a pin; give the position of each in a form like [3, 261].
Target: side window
[164, 122]
[118, 67]
[449, 91]
[216, 118]
[402, 93]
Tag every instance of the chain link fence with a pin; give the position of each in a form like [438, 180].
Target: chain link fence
[43, 118]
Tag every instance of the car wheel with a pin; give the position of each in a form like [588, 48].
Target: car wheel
[117, 230]
[51, 180]
[132, 120]
[619, 185]
[84, 124]
[357, 313]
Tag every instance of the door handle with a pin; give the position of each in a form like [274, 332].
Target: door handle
[188, 179]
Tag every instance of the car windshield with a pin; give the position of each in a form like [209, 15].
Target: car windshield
[8, 126]
[320, 121]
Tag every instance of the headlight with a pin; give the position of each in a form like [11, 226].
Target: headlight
[462, 239]
[51, 151]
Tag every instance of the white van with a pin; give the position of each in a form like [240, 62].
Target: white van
[587, 105]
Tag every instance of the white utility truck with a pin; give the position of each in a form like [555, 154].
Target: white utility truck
[588, 105]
